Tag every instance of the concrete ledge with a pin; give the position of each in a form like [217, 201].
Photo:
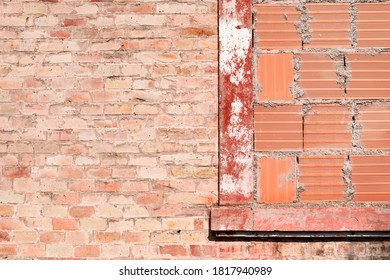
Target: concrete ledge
[300, 219]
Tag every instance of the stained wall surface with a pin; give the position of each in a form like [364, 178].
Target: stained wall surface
[109, 130]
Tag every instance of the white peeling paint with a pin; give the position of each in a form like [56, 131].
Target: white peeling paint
[243, 157]
[235, 42]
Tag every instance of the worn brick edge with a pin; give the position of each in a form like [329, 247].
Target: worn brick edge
[300, 219]
[236, 102]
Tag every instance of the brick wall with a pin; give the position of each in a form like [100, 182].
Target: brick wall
[108, 134]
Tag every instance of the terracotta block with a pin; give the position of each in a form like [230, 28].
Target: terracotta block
[375, 126]
[329, 25]
[275, 73]
[373, 24]
[371, 178]
[327, 127]
[278, 128]
[318, 78]
[277, 180]
[275, 27]
[322, 178]
[369, 76]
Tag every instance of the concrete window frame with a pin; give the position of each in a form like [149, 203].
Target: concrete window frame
[237, 211]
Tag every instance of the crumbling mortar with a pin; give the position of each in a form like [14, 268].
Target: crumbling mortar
[303, 26]
[353, 34]
[256, 178]
[355, 130]
[295, 89]
[304, 102]
[347, 177]
[299, 187]
[305, 109]
[320, 152]
[257, 87]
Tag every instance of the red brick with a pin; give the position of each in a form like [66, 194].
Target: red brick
[275, 74]
[66, 198]
[108, 186]
[16, 172]
[231, 251]
[60, 34]
[32, 250]
[149, 198]
[87, 251]
[173, 250]
[52, 237]
[4, 236]
[7, 250]
[6, 211]
[65, 224]
[107, 237]
[278, 128]
[11, 224]
[81, 211]
[73, 22]
[141, 237]
[277, 180]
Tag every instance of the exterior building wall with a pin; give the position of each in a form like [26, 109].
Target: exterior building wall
[109, 135]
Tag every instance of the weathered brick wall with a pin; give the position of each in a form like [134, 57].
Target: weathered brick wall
[108, 134]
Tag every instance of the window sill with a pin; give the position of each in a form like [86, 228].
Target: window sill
[306, 218]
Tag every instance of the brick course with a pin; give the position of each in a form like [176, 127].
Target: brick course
[109, 133]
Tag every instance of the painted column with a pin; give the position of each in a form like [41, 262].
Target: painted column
[236, 102]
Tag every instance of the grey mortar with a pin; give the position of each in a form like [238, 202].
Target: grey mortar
[347, 177]
[353, 35]
[300, 189]
[305, 109]
[295, 89]
[303, 26]
[356, 131]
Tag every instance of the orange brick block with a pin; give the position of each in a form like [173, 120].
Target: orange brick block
[322, 178]
[371, 178]
[318, 78]
[278, 128]
[373, 25]
[275, 73]
[277, 180]
[327, 127]
[329, 25]
[375, 126]
[275, 27]
[369, 76]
